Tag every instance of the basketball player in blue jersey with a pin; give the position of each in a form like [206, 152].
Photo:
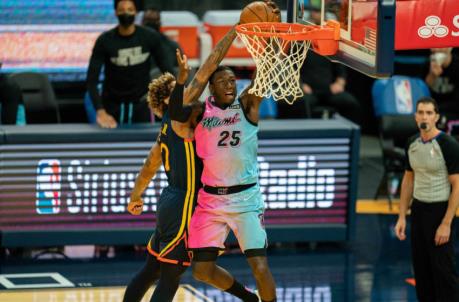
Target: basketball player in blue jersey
[175, 148]
[226, 130]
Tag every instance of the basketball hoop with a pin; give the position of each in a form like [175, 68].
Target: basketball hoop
[279, 50]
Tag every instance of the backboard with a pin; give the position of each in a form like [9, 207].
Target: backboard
[367, 30]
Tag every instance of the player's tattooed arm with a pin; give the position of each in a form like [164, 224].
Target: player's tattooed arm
[200, 79]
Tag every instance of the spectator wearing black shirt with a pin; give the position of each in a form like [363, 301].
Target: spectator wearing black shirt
[126, 53]
[443, 80]
[152, 19]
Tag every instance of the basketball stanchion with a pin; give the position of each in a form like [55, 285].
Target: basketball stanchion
[279, 50]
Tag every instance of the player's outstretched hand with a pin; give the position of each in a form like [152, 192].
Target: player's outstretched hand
[275, 8]
[184, 68]
[135, 206]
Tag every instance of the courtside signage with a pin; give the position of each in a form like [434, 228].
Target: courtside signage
[304, 181]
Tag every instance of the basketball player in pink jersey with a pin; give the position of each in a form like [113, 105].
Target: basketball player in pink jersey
[225, 129]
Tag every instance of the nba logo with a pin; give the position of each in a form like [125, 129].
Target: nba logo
[48, 186]
[403, 97]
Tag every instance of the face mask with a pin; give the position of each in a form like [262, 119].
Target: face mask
[126, 20]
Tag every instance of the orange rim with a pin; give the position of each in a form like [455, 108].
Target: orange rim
[291, 31]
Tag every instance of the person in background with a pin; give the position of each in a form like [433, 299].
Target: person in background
[323, 83]
[126, 53]
[443, 80]
[431, 186]
[152, 19]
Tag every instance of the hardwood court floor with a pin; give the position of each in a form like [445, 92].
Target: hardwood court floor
[186, 293]
[375, 267]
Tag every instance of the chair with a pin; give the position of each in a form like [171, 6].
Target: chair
[394, 102]
[39, 98]
[268, 109]
[20, 116]
[89, 108]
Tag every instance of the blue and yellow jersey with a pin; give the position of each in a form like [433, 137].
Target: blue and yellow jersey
[181, 164]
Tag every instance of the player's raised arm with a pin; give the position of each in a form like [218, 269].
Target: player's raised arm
[177, 110]
[200, 79]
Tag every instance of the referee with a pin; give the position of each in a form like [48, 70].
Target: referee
[431, 182]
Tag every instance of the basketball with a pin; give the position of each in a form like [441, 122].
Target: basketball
[258, 11]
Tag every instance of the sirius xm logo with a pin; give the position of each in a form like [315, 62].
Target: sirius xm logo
[75, 186]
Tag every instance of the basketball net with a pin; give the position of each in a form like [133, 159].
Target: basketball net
[279, 51]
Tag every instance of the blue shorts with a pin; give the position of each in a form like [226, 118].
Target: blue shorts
[169, 242]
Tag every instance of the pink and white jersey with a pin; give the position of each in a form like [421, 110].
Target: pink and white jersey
[227, 143]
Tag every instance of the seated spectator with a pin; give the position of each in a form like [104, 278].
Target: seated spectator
[443, 80]
[323, 83]
[152, 19]
[10, 98]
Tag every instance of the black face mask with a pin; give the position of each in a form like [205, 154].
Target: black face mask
[126, 20]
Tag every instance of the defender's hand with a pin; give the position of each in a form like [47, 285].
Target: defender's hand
[135, 206]
[184, 68]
